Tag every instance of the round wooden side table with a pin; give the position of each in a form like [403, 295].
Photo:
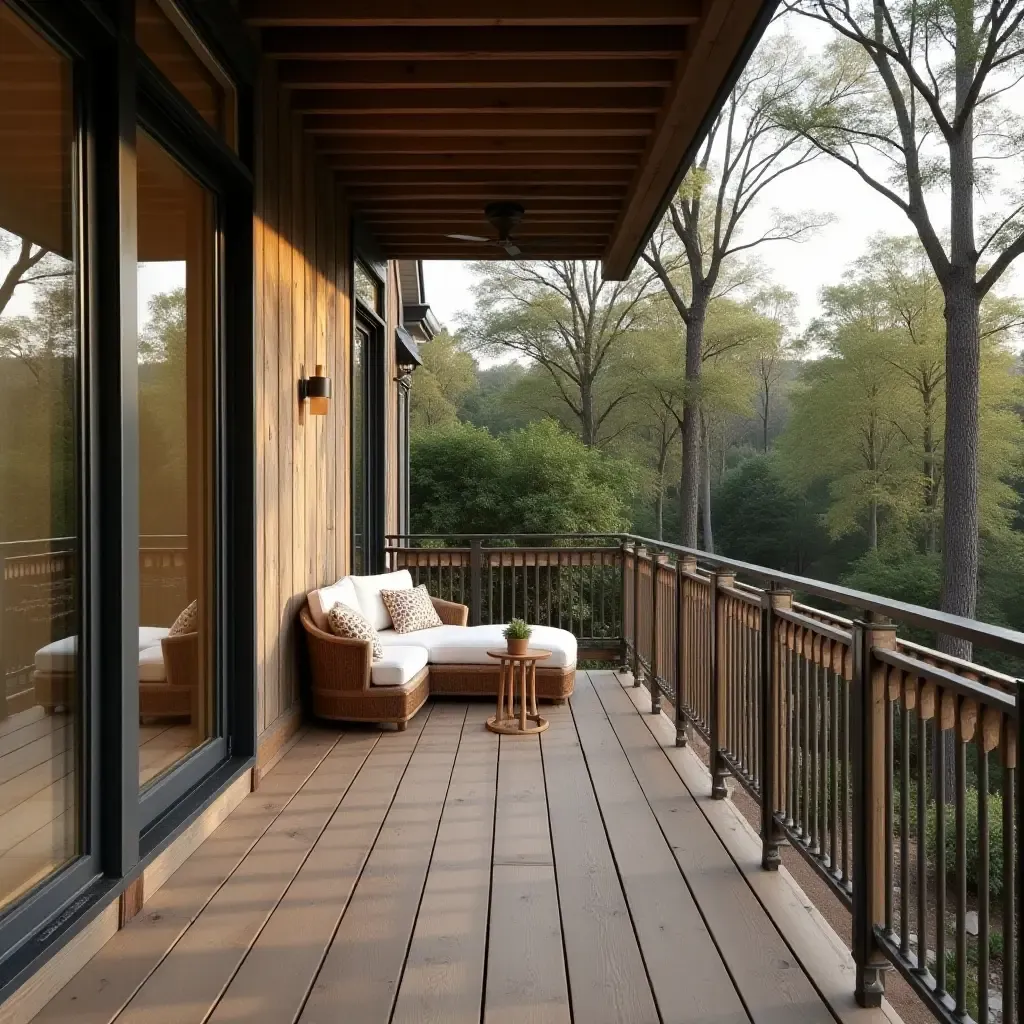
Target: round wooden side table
[528, 722]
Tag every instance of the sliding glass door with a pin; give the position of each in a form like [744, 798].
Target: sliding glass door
[41, 656]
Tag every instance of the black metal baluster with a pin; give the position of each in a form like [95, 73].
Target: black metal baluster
[939, 789]
[845, 785]
[890, 776]
[922, 834]
[961, 866]
[837, 756]
[983, 877]
[1011, 870]
[904, 825]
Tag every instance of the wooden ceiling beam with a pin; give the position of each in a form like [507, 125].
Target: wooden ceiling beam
[457, 74]
[433, 251]
[436, 43]
[476, 195]
[459, 145]
[467, 221]
[483, 13]
[717, 48]
[477, 101]
[493, 123]
[356, 162]
[496, 177]
[535, 206]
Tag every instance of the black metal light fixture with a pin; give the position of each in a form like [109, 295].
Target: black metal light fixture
[317, 390]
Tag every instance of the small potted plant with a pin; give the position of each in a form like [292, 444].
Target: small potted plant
[517, 635]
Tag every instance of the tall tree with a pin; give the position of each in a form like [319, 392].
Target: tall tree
[907, 97]
[699, 250]
[566, 318]
[441, 384]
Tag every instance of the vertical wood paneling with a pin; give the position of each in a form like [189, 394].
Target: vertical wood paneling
[303, 317]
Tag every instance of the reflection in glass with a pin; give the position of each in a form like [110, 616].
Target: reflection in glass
[167, 39]
[40, 681]
[177, 278]
[360, 344]
[367, 288]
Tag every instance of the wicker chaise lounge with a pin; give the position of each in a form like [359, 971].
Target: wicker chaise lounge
[451, 659]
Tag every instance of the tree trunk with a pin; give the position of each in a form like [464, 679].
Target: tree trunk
[708, 534]
[659, 504]
[873, 525]
[588, 422]
[963, 359]
[689, 481]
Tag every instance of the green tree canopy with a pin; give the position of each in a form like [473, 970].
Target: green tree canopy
[441, 384]
[541, 479]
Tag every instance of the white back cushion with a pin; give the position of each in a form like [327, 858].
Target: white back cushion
[323, 600]
[368, 590]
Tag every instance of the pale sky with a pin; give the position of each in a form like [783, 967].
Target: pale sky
[804, 268]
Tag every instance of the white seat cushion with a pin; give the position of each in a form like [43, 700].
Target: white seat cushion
[323, 600]
[468, 645]
[151, 665]
[59, 656]
[398, 666]
[368, 589]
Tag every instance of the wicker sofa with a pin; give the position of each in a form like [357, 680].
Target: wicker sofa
[451, 659]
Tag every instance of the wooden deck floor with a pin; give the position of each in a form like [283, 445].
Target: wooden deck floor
[444, 875]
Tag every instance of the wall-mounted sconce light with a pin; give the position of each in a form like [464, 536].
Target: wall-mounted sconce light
[318, 390]
[405, 372]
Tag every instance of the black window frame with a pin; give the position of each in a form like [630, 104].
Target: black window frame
[374, 425]
[116, 88]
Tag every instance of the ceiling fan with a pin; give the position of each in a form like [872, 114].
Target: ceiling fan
[504, 218]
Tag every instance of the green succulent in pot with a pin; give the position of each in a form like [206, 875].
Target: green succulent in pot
[517, 635]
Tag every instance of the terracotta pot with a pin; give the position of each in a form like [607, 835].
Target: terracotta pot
[518, 646]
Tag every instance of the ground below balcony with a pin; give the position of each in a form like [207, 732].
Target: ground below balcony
[447, 874]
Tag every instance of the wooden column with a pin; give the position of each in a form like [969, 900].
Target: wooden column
[719, 679]
[868, 708]
[773, 738]
[686, 564]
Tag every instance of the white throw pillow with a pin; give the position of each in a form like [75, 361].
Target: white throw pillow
[368, 589]
[323, 600]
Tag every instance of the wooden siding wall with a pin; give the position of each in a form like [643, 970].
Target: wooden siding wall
[393, 319]
[303, 317]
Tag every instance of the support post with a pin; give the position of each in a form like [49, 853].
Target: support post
[475, 581]
[685, 564]
[638, 675]
[771, 684]
[656, 562]
[1014, 881]
[719, 680]
[627, 552]
[869, 782]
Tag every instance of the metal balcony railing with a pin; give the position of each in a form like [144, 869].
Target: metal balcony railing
[890, 767]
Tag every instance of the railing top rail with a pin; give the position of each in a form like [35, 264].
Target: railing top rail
[999, 638]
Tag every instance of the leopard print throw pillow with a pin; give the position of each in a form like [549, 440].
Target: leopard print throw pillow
[187, 621]
[347, 622]
[410, 610]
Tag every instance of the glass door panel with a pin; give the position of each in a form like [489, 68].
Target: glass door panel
[40, 658]
[177, 283]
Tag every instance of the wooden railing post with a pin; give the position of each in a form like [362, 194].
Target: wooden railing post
[686, 563]
[638, 674]
[475, 582]
[772, 740]
[656, 562]
[627, 551]
[719, 679]
[868, 710]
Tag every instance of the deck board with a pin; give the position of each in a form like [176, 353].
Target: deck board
[444, 874]
[763, 968]
[359, 977]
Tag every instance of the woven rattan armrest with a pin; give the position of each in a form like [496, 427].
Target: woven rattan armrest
[336, 663]
[451, 613]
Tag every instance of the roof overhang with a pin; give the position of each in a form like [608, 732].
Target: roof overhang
[586, 112]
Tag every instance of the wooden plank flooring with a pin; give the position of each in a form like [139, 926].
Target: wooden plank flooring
[445, 875]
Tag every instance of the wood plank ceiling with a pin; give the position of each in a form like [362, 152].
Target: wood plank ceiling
[583, 111]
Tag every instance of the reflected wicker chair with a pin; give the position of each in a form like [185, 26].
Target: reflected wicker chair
[177, 694]
[341, 673]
